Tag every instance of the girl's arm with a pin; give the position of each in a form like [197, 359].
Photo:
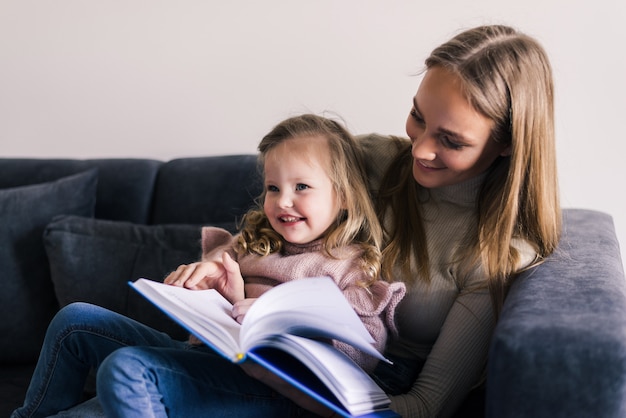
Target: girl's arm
[376, 307]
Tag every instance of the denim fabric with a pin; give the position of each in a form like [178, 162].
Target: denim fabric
[141, 372]
[137, 382]
[80, 337]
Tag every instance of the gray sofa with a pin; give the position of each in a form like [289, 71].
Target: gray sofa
[80, 229]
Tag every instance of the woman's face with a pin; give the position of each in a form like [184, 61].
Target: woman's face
[450, 138]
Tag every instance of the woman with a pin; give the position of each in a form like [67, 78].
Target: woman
[467, 204]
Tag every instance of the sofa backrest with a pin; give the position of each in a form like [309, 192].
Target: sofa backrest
[125, 186]
[213, 190]
[68, 237]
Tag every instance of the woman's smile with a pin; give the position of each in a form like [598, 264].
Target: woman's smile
[427, 166]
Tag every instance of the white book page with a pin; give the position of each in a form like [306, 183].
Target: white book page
[354, 389]
[313, 307]
[206, 313]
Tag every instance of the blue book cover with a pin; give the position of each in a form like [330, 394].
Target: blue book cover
[285, 331]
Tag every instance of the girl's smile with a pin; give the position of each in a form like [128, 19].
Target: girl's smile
[286, 219]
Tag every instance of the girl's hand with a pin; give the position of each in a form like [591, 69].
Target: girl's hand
[223, 276]
[240, 309]
[197, 276]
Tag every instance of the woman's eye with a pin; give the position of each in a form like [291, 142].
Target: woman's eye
[448, 143]
[271, 188]
[301, 186]
[416, 116]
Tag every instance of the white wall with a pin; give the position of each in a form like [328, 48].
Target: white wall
[173, 78]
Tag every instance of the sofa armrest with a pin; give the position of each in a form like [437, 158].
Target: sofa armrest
[559, 349]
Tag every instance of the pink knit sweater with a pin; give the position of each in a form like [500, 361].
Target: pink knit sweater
[375, 305]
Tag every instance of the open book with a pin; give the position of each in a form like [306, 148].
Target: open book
[290, 318]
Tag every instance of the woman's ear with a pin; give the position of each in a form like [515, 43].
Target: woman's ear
[506, 152]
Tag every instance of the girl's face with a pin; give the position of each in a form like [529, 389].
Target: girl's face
[300, 200]
[450, 138]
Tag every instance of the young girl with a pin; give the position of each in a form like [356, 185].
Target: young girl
[316, 219]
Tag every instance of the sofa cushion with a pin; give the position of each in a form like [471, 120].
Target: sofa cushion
[27, 301]
[92, 260]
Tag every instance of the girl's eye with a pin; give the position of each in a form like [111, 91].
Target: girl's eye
[271, 188]
[301, 186]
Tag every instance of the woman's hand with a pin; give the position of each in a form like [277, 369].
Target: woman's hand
[223, 275]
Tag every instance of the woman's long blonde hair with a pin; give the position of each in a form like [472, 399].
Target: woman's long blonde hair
[507, 77]
[356, 223]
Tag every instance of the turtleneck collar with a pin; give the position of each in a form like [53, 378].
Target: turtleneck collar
[464, 193]
[290, 248]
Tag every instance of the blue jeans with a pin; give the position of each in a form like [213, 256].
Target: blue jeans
[141, 372]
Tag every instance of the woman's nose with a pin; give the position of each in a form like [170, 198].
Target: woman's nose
[424, 147]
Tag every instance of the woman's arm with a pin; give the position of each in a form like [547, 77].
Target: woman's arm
[456, 361]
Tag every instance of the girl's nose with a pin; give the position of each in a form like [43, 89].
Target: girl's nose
[285, 200]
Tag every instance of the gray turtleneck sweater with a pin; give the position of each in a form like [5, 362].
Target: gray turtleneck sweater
[444, 324]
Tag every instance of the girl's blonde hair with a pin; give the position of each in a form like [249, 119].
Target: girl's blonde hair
[506, 76]
[356, 223]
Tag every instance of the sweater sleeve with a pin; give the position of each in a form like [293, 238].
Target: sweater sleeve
[455, 362]
[215, 241]
[458, 357]
[375, 307]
